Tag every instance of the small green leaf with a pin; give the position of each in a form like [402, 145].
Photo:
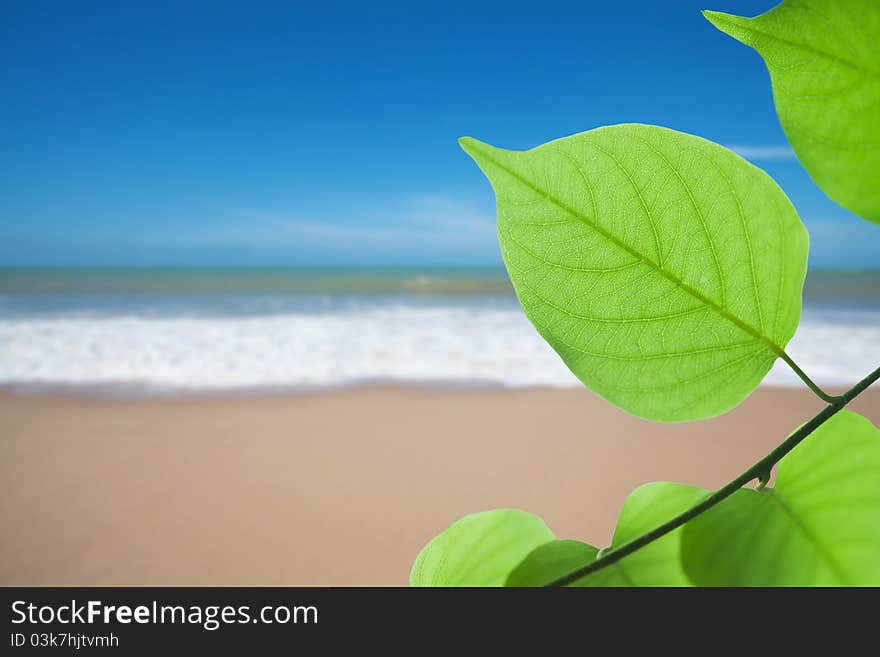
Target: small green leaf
[658, 563]
[549, 561]
[819, 526]
[665, 270]
[480, 549]
[824, 64]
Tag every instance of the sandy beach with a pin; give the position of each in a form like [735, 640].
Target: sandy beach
[338, 488]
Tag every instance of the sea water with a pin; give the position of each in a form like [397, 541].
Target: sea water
[133, 332]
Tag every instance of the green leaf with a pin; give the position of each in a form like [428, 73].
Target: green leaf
[819, 526]
[824, 64]
[549, 561]
[656, 564]
[665, 270]
[479, 549]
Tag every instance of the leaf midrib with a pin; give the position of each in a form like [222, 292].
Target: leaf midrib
[722, 312]
[746, 25]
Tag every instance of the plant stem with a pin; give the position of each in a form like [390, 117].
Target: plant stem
[821, 394]
[760, 470]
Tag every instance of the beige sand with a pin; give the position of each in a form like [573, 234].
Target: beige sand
[340, 488]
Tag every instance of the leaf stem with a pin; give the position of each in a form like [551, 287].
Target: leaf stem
[821, 394]
[756, 471]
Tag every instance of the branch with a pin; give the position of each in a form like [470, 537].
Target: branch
[760, 470]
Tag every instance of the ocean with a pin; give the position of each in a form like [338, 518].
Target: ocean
[136, 332]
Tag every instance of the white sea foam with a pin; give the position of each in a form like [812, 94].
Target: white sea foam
[446, 345]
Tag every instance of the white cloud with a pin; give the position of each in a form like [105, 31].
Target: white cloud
[421, 222]
[763, 152]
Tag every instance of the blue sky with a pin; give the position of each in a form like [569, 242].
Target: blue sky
[255, 133]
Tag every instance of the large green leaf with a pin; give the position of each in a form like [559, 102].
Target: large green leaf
[824, 63]
[656, 564]
[664, 269]
[819, 526]
[479, 549]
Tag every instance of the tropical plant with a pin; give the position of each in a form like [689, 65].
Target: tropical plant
[667, 273]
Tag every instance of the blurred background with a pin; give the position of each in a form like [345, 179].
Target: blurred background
[254, 324]
[225, 195]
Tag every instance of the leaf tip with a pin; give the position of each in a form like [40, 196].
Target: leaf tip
[731, 24]
[469, 145]
[480, 152]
